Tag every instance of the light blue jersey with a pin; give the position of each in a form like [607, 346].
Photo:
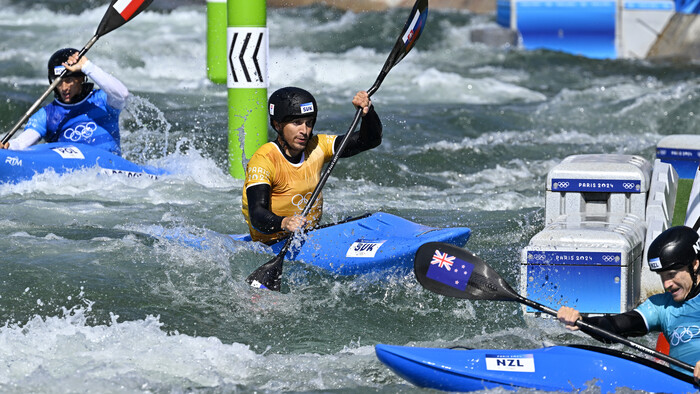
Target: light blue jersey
[91, 121]
[680, 323]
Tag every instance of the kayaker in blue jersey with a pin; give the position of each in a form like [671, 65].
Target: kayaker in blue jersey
[674, 255]
[79, 113]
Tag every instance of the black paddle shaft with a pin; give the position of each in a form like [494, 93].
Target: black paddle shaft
[430, 267]
[268, 275]
[610, 336]
[118, 13]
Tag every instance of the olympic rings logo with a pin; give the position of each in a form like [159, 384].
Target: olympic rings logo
[80, 131]
[609, 259]
[536, 256]
[300, 201]
[628, 185]
[684, 334]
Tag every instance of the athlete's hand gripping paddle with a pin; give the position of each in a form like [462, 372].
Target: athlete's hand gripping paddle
[118, 13]
[269, 275]
[471, 278]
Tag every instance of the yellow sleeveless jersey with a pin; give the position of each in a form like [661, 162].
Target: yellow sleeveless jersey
[291, 184]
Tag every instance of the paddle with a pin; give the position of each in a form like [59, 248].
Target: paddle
[269, 275]
[471, 278]
[118, 13]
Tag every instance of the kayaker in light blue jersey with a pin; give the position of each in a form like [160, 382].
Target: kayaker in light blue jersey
[79, 113]
[674, 255]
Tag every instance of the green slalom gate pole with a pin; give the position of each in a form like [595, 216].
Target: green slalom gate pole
[216, 41]
[247, 80]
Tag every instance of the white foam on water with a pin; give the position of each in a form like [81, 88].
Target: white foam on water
[409, 81]
[66, 352]
[170, 52]
[488, 190]
[187, 167]
[284, 26]
[623, 105]
[489, 139]
[319, 71]
[438, 86]
[618, 142]
[158, 52]
[143, 355]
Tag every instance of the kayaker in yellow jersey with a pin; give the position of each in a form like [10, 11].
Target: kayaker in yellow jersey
[282, 174]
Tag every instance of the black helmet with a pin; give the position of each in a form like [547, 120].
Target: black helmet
[56, 64]
[289, 103]
[675, 248]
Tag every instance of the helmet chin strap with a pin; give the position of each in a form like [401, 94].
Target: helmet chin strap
[282, 142]
[696, 286]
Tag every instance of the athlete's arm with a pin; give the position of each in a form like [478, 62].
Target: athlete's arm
[34, 130]
[117, 92]
[261, 217]
[369, 136]
[23, 141]
[627, 324]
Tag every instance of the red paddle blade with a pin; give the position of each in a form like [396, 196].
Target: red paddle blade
[120, 12]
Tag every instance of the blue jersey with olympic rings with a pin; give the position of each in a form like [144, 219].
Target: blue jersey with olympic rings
[91, 121]
[680, 323]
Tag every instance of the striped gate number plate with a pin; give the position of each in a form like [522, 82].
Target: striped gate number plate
[247, 57]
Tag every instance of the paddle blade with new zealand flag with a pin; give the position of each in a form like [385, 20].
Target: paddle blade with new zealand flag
[120, 12]
[452, 271]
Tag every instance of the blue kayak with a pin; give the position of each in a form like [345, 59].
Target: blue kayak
[361, 245]
[62, 157]
[555, 368]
